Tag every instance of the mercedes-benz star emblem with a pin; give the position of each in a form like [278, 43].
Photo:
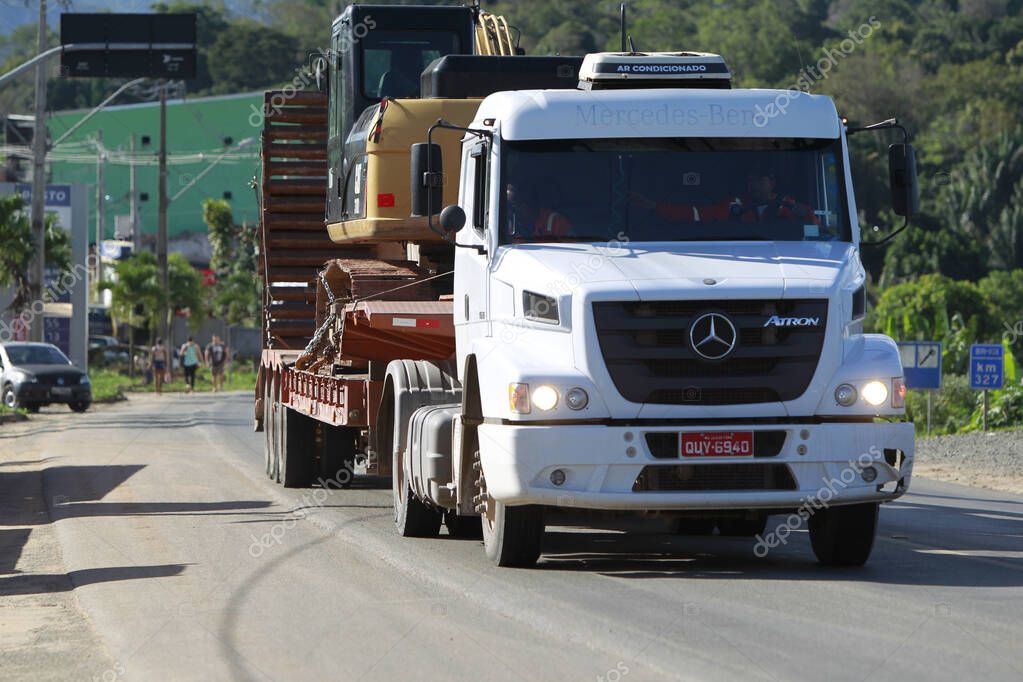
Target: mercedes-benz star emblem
[713, 336]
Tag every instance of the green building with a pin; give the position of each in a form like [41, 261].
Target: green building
[217, 137]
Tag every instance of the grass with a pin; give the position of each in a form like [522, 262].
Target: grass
[109, 385]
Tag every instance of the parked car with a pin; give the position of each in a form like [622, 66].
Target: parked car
[98, 341]
[37, 374]
[107, 351]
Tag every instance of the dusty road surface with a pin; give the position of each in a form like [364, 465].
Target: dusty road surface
[143, 542]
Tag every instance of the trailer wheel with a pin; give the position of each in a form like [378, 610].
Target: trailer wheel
[337, 458]
[296, 448]
[512, 535]
[268, 431]
[844, 536]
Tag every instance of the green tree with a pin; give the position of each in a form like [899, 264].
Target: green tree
[185, 289]
[18, 248]
[137, 296]
[936, 308]
[221, 232]
[237, 294]
[135, 292]
[983, 199]
[247, 56]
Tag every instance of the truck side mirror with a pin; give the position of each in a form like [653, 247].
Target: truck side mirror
[902, 179]
[427, 179]
[452, 218]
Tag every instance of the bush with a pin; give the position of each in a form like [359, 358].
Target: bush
[1005, 409]
[952, 406]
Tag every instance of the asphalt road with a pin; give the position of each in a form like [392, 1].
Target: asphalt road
[182, 561]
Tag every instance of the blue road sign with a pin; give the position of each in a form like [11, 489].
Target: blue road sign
[921, 363]
[987, 366]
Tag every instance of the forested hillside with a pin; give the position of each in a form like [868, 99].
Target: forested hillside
[952, 72]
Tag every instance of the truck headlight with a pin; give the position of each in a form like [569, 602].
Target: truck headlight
[576, 398]
[875, 393]
[545, 397]
[540, 308]
[84, 379]
[845, 395]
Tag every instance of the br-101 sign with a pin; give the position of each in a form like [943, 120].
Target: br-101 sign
[987, 366]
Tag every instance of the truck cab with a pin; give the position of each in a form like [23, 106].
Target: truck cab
[658, 308]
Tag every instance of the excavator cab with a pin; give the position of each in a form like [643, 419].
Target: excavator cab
[378, 52]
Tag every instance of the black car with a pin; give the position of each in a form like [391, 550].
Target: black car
[37, 374]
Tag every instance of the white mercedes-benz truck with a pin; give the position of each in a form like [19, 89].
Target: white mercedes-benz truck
[658, 307]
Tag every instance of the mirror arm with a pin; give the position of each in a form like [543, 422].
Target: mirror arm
[445, 125]
[893, 235]
[891, 123]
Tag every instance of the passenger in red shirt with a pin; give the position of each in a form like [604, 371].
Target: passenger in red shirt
[760, 203]
[527, 219]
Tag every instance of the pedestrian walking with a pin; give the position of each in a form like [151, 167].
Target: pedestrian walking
[216, 358]
[191, 359]
[158, 363]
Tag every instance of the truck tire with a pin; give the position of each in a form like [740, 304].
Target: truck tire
[296, 448]
[411, 516]
[337, 458]
[844, 536]
[512, 535]
[742, 528]
[268, 430]
[464, 527]
[79, 405]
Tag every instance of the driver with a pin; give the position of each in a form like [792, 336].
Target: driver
[527, 218]
[760, 203]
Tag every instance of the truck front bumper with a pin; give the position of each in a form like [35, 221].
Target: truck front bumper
[615, 467]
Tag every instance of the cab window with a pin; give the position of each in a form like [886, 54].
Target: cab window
[394, 60]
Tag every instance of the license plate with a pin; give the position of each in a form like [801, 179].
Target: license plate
[61, 391]
[717, 444]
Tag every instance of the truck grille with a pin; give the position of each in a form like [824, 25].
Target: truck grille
[54, 379]
[711, 477]
[647, 349]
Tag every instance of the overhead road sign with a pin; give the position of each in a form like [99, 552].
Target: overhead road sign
[102, 45]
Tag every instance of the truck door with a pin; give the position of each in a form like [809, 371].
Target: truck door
[472, 295]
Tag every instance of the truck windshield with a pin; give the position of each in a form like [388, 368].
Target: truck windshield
[690, 189]
[394, 60]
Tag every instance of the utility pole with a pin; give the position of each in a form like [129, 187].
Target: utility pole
[37, 272]
[99, 210]
[133, 206]
[161, 230]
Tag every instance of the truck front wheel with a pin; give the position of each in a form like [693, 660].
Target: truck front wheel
[844, 536]
[512, 535]
[411, 516]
